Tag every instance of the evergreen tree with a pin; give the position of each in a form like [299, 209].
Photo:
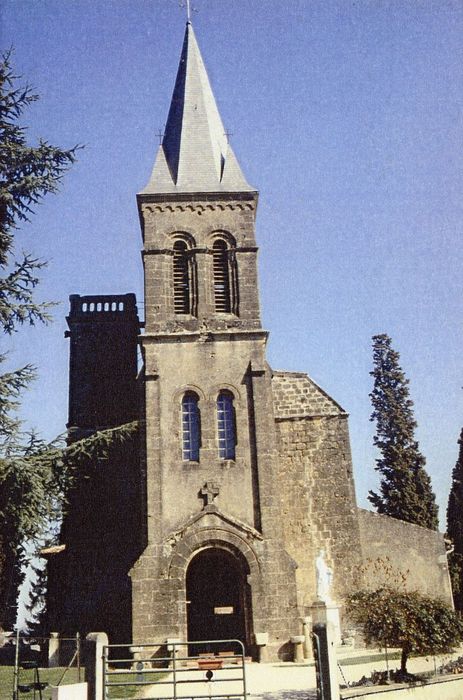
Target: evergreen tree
[405, 489]
[36, 607]
[27, 173]
[455, 528]
[34, 484]
[35, 477]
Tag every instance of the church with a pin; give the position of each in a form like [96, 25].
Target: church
[208, 524]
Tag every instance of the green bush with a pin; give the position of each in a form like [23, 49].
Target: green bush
[411, 621]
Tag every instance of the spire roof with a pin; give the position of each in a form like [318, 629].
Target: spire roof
[195, 155]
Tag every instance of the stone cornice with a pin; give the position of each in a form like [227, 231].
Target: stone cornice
[196, 197]
[158, 251]
[195, 208]
[196, 251]
[204, 336]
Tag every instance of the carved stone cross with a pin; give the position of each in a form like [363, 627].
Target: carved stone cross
[209, 491]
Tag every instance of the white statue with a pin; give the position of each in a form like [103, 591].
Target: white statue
[324, 578]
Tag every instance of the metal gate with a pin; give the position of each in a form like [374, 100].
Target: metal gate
[174, 671]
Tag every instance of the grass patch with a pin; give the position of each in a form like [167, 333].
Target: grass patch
[47, 675]
[122, 691]
[371, 658]
[129, 691]
[52, 676]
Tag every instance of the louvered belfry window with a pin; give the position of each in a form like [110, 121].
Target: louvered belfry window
[226, 425]
[182, 301]
[222, 297]
[191, 427]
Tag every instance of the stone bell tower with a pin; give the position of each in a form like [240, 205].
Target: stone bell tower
[214, 565]
[207, 523]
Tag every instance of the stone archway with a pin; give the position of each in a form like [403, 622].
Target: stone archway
[218, 597]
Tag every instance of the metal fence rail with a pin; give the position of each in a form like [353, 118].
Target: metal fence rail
[38, 663]
[174, 671]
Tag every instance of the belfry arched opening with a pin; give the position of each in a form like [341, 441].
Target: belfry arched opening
[218, 597]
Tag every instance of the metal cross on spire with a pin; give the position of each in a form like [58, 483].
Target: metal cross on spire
[189, 9]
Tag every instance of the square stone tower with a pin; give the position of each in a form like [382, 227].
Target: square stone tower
[215, 565]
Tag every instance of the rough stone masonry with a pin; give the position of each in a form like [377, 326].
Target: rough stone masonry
[208, 524]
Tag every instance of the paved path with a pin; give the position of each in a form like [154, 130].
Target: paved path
[281, 681]
[310, 694]
[263, 681]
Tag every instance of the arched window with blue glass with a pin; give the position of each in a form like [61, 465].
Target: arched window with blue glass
[226, 425]
[191, 427]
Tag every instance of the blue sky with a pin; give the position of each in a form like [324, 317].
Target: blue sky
[347, 116]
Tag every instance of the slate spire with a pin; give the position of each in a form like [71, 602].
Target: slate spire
[195, 155]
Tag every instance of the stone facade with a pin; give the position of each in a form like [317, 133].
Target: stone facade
[170, 541]
[205, 354]
[317, 496]
[198, 221]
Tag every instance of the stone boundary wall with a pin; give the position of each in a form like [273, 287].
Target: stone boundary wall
[442, 689]
[417, 552]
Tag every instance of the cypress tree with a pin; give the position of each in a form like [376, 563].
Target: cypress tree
[405, 488]
[455, 528]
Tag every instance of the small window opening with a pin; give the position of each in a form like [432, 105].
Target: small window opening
[226, 425]
[221, 277]
[181, 278]
[191, 427]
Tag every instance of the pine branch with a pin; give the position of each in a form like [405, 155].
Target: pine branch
[17, 305]
[11, 386]
[27, 173]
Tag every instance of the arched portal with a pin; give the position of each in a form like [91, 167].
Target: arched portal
[218, 597]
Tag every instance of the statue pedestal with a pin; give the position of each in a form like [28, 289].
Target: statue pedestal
[327, 632]
[327, 613]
